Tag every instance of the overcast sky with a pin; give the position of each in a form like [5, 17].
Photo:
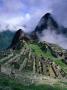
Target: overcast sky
[29, 12]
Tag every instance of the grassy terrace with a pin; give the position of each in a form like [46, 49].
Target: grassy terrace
[39, 52]
[48, 54]
[61, 64]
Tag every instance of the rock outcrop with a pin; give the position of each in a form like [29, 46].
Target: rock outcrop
[19, 35]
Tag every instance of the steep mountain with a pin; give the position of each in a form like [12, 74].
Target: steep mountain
[47, 22]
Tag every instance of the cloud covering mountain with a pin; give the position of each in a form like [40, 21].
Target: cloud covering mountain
[26, 14]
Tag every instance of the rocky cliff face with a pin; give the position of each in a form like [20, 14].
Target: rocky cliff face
[19, 35]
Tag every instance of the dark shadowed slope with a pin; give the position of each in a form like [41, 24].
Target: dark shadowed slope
[19, 35]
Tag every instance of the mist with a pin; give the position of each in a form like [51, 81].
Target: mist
[53, 37]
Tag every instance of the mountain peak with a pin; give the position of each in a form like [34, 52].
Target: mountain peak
[47, 15]
[19, 35]
[47, 21]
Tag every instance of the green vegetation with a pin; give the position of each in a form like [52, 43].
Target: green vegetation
[7, 83]
[5, 39]
[37, 50]
[61, 64]
[21, 58]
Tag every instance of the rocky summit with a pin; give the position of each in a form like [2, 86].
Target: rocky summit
[48, 22]
[19, 35]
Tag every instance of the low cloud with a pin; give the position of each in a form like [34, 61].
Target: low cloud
[53, 37]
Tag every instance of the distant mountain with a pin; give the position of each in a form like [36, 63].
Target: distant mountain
[5, 39]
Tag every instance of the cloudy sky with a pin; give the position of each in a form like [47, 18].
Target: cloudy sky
[29, 12]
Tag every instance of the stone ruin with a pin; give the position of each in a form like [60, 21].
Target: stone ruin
[35, 64]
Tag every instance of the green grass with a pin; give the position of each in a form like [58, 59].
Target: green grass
[7, 83]
[61, 64]
[36, 49]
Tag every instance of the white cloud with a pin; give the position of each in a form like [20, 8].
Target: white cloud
[29, 12]
[52, 37]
